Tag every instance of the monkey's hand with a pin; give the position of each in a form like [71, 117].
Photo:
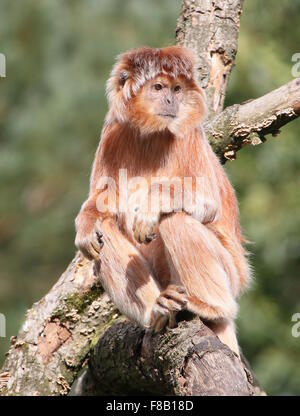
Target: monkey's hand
[144, 226]
[90, 243]
[168, 304]
[205, 211]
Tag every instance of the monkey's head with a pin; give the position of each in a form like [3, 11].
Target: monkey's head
[156, 90]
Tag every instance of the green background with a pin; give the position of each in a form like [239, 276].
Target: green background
[52, 105]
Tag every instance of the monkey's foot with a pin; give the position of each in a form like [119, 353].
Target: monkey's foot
[143, 227]
[168, 304]
[91, 244]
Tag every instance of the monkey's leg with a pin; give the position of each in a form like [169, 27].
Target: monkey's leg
[127, 277]
[172, 298]
[200, 263]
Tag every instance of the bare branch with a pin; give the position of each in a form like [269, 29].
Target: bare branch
[251, 121]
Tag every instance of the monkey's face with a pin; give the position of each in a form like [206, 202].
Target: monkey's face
[162, 98]
[166, 103]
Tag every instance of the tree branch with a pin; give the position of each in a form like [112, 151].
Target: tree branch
[57, 335]
[211, 28]
[251, 121]
[188, 360]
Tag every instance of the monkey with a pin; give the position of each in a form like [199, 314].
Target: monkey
[164, 251]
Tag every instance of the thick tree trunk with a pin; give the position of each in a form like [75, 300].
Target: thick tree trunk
[211, 29]
[76, 319]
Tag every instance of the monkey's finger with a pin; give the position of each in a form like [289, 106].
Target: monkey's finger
[136, 223]
[172, 321]
[136, 231]
[146, 233]
[95, 248]
[100, 241]
[161, 323]
[169, 304]
[141, 236]
[156, 321]
[151, 237]
[138, 237]
[147, 238]
[95, 242]
[179, 289]
[88, 251]
[177, 297]
[143, 231]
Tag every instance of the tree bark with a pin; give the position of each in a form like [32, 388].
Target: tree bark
[58, 333]
[76, 319]
[211, 28]
[251, 121]
[186, 361]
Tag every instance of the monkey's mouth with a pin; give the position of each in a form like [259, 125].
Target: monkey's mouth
[167, 115]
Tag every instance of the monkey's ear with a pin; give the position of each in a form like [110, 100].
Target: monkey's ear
[123, 77]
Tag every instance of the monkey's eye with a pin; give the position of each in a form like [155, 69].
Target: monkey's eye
[157, 87]
[177, 88]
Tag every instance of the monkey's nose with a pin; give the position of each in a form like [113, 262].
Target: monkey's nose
[168, 101]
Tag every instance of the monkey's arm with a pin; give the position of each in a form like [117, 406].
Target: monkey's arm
[88, 230]
[88, 222]
[167, 197]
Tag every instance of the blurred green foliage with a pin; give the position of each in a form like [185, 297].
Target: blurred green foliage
[52, 105]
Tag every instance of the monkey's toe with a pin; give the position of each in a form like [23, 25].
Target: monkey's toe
[160, 317]
[175, 294]
[168, 304]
